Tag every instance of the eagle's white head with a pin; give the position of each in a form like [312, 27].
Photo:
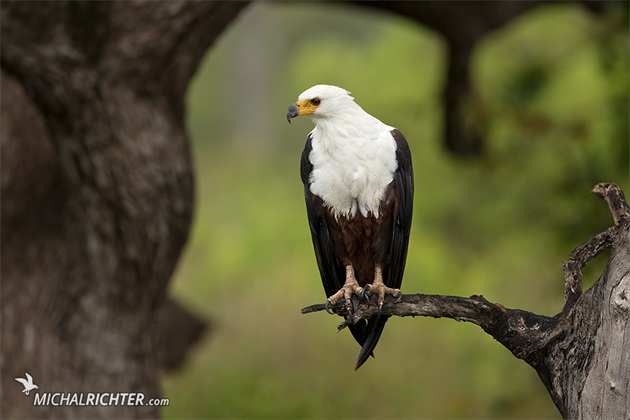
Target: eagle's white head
[323, 102]
[353, 153]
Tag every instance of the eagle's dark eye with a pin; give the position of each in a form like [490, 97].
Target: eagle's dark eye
[316, 101]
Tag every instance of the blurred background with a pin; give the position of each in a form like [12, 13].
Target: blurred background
[551, 99]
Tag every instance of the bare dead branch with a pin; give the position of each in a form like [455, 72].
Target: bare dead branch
[584, 253]
[578, 260]
[511, 327]
[616, 201]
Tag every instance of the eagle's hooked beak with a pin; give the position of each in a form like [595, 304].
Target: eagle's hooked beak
[292, 112]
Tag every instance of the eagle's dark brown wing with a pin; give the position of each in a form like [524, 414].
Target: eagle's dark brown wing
[402, 225]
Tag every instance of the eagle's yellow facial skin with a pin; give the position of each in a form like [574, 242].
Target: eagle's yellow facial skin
[307, 106]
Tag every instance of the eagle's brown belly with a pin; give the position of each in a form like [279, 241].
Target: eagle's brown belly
[365, 242]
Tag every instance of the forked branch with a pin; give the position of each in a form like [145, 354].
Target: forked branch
[594, 246]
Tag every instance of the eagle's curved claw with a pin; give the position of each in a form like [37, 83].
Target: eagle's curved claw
[328, 307]
[397, 298]
[364, 295]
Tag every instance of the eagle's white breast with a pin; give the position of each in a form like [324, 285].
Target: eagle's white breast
[354, 160]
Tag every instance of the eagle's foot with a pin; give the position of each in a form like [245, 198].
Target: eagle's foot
[350, 287]
[381, 290]
[378, 288]
[344, 293]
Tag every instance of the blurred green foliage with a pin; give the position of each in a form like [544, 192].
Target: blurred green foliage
[551, 94]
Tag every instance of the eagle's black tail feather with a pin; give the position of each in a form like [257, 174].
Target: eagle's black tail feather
[370, 339]
[359, 331]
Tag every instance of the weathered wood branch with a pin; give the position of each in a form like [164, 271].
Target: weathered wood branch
[595, 245]
[578, 353]
[513, 328]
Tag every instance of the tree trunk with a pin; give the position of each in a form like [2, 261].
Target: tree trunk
[605, 378]
[97, 191]
[595, 381]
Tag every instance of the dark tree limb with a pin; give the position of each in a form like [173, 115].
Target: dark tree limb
[463, 25]
[513, 328]
[563, 349]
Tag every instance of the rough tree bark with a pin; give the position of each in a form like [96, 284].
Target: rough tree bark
[581, 354]
[96, 211]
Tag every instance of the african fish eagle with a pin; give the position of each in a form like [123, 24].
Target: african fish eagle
[358, 185]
